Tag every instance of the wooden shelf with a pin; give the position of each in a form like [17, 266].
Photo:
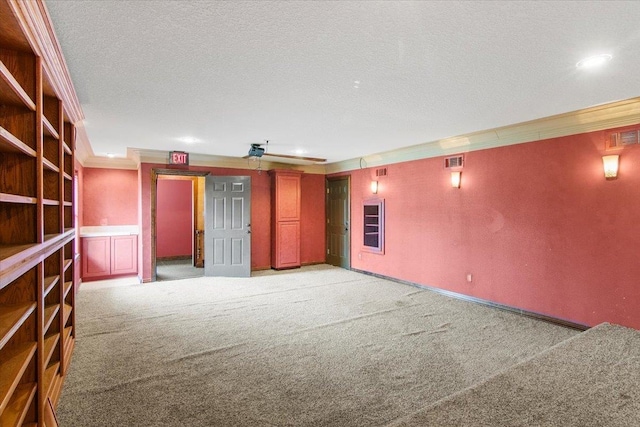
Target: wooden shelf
[12, 367]
[14, 198]
[48, 164]
[50, 345]
[49, 283]
[56, 388]
[49, 129]
[67, 287]
[49, 377]
[17, 259]
[10, 143]
[67, 312]
[38, 107]
[11, 318]
[18, 407]
[49, 314]
[67, 335]
[68, 350]
[11, 93]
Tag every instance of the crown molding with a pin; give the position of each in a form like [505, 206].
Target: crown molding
[597, 118]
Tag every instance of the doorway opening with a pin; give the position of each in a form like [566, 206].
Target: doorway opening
[177, 224]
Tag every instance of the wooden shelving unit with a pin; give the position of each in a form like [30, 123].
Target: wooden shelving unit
[38, 112]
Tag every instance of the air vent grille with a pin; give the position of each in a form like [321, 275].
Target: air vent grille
[381, 172]
[620, 139]
[453, 162]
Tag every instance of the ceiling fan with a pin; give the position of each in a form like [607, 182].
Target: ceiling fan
[257, 151]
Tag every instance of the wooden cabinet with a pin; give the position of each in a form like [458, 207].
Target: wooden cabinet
[285, 223]
[96, 257]
[109, 256]
[38, 110]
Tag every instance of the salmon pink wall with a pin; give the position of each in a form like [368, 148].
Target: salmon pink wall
[536, 225]
[174, 218]
[312, 225]
[260, 216]
[110, 197]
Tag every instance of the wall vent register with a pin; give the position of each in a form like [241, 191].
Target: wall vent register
[381, 172]
[453, 162]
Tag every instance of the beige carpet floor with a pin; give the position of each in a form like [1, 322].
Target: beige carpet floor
[317, 346]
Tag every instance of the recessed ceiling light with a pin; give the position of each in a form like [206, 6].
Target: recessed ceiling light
[189, 139]
[299, 151]
[110, 155]
[594, 61]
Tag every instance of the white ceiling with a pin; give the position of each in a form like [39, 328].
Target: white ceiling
[234, 73]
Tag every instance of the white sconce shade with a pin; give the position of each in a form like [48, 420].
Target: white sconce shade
[455, 179]
[610, 164]
[374, 187]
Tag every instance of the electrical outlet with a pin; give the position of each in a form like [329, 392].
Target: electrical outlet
[469, 277]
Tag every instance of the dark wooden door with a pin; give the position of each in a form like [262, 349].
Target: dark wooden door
[338, 222]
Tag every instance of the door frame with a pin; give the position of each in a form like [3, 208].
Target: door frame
[327, 240]
[154, 206]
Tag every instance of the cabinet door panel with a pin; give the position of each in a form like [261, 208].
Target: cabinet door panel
[124, 255]
[288, 198]
[288, 245]
[96, 257]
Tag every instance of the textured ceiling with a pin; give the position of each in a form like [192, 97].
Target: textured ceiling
[234, 73]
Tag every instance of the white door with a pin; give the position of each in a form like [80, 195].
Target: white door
[227, 248]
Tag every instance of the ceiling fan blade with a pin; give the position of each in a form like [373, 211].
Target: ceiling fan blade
[288, 156]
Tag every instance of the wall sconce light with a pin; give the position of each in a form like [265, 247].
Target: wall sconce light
[455, 179]
[374, 187]
[610, 164]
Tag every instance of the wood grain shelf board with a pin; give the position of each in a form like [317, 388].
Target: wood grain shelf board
[13, 365]
[68, 351]
[19, 258]
[49, 283]
[67, 335]
[49, 377]
[67, 176]
[56, 388]
[67, 312]
[7, 251]
[67, 287]
[8, 142]
[48, 164]
[18, 407]
[67, 264]
[14, 198]
[12, 317]
[49, 314]
[11, 92]
[50, 202]
[50, 345]
[49, 129]
[69, 204]
[66, 148]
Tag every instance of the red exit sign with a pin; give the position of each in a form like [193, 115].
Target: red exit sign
[178, 158]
